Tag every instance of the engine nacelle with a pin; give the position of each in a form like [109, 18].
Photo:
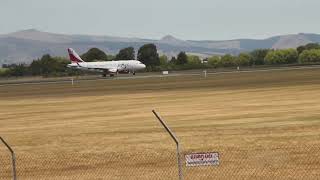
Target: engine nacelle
[124, 72]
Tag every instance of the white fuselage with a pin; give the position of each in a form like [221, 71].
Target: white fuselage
[110, 66]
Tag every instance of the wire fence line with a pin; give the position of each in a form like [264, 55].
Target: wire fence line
[302, 162]
[138, 165]
[271, 158]
[287, 162]
[13, 158]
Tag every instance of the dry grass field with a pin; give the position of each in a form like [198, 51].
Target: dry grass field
[265, 125]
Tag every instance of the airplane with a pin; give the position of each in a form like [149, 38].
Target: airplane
[106, 67]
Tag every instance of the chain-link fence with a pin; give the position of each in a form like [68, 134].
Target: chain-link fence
[288, 162]
[264, 156]
[5, 164]
[102, 165]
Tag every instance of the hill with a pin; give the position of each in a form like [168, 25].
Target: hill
[24, 46]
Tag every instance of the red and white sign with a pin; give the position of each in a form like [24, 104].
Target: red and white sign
[202, 159]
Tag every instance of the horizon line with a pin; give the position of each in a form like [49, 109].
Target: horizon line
[158, 39]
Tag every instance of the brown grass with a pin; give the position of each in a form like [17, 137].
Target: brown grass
[264, 125]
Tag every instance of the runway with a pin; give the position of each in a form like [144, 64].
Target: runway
[18, 82]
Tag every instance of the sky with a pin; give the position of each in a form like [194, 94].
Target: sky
[153, 19]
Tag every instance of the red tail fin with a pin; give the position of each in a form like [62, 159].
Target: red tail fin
[74, 57]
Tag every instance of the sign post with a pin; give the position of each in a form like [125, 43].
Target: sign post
[205, 73]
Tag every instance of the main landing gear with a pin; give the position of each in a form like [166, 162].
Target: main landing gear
[105, 75]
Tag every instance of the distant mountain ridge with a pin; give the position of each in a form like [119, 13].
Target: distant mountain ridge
[24, 46]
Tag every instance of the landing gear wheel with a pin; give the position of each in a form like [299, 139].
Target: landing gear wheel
[134, 73]
[104, 75]
[111, 75]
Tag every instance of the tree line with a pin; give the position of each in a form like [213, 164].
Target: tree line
[148, 54]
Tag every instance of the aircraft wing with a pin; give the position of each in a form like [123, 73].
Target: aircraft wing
[113, 70]
[109, 70]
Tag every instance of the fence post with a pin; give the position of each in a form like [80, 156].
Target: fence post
[173, 136]
[13, 157]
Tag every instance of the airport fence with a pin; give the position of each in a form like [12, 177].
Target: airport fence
[103, 165]
[260, 156]
[301, 162]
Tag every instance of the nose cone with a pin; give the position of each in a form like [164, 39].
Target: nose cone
[140, 66]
